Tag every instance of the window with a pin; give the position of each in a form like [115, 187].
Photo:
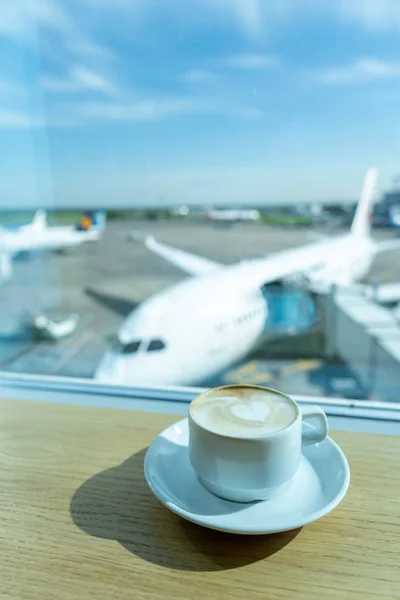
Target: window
[135, 174]
[155, 345]
[127, 348]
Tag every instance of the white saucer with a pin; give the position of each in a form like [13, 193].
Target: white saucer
[319, 485]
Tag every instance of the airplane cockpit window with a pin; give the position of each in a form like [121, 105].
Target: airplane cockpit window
[155, 345]
[131, 348]
[128, 348]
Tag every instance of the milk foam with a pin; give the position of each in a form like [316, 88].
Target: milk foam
[243, 412]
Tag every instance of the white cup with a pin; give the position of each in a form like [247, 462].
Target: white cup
[256, 468]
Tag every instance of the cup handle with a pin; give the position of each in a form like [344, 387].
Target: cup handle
[320, 431]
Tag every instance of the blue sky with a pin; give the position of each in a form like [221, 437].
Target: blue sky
[127, 102]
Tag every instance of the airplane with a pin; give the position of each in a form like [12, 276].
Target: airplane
[232, 215]
[200, 326]
[37, 235]
[39, 220]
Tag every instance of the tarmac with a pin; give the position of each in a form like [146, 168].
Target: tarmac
[103, 281]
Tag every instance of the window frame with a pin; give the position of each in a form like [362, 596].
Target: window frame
[71, 388]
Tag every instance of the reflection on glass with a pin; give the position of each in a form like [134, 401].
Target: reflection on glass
[193, 179]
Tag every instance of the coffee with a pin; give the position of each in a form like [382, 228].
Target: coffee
[243, 411]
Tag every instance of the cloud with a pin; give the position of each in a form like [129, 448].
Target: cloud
[21, 18]
[247, 113]
[86, 48]
[141, 110]
[91, 80]
[79, 79]
[21, 119]
[363, 70]
[252, 18]
[9, 88]
[248, 14]
[371, 14]
[155, 109]
[243, 62]
[249, 61]
[199, 76]
[28, 20]
[256, 16]
[18, 119]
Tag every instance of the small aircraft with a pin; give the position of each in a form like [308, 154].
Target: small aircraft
[200, 326]
[39, 221]
[232, 215]
[39, 236]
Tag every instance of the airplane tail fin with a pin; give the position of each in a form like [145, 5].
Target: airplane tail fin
[39, 219]
[92, 220]
[361, 224]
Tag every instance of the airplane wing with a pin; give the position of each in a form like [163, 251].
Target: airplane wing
[187, 262]
[387, 246]
[261, 271]
[314, 236]
[120, 306]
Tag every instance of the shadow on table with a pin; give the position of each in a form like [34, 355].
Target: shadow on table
[117, 504]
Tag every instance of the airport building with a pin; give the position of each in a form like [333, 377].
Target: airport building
[387, 210]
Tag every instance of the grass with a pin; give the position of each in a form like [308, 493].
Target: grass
[280, 219]
[68, 217]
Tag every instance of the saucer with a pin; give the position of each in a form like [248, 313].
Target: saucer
[318, 486]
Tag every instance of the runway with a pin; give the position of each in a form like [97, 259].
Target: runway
[124, 273]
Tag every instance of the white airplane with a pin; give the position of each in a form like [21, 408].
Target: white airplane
[37, 235]
[197, 328]
[232, 215]
[38, 222]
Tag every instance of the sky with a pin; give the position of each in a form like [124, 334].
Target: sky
[122, 103]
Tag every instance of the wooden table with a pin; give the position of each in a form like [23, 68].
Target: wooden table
[78, 521]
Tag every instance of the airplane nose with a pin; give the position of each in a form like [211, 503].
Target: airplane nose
[110, 369]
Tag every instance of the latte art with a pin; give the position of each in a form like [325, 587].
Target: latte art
[253, 411]
[243, 412]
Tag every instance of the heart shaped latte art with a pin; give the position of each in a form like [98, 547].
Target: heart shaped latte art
[253, 411]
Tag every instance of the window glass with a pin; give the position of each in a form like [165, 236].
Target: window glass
[126, 348]
[203, 179]
[130, 348]
[155, 345]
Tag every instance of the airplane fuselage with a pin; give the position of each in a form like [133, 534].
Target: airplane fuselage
[49, 238]
[202, 325]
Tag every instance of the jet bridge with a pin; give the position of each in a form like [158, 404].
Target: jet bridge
[291, 311]
[367, 337]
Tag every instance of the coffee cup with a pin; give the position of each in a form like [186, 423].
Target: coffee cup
[245, 441]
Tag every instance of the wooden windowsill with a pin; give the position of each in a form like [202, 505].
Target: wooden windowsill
[78, 521]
